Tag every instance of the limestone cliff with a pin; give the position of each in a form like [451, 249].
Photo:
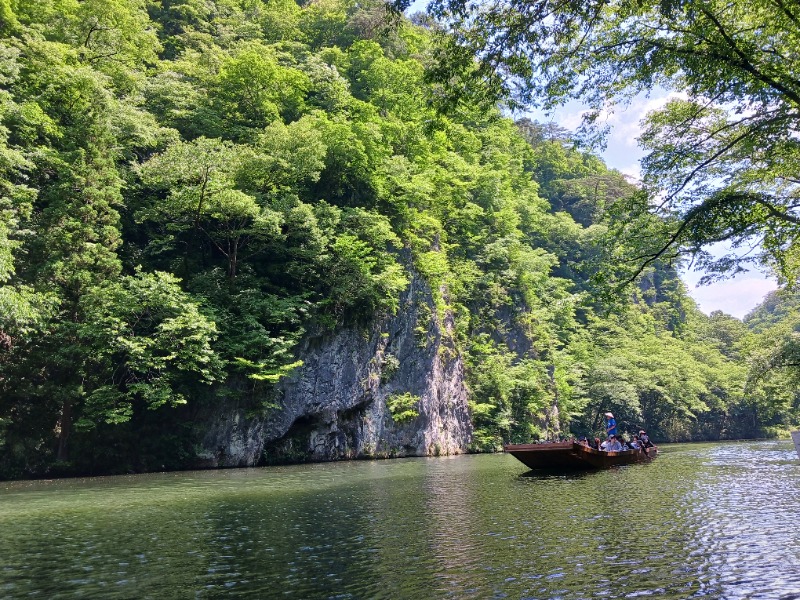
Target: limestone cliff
[335, 405]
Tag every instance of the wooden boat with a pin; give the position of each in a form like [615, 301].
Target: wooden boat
[574, 456]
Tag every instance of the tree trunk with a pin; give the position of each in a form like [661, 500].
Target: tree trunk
[64, 430]
[552, 417]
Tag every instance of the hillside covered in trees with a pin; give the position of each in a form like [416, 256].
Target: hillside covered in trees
[189, 189]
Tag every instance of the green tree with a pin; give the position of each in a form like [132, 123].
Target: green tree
[198, 178]
[725, 157]
[365, 276]
[253, 90]
[189, 189]
[21, 307]
[773, 353]
[147, 345]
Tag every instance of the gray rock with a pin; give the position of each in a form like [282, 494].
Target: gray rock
[334, 406]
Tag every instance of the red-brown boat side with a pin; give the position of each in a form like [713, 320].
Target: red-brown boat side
[572, 455]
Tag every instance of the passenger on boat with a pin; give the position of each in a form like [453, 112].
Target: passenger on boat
[614, 445]
[635, 443]
[596, 444]
[645, 439]
[583, 441]
[611, 424]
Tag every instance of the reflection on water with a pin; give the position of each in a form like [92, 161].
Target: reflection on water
[702, 521]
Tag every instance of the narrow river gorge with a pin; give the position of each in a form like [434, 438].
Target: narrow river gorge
[702, 521]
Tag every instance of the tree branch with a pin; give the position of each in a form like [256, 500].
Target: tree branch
[745, 62]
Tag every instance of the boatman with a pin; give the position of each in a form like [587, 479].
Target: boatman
[611, 425]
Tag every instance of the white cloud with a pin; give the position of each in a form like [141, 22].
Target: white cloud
[737, 297]
[625, 122]
[626, 128]
[633, 171]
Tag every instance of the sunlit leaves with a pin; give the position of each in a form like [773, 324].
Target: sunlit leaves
[253, 89]
[731, 135]
[286, 158]
[188, 192]
[403, 407]
[200, 176]
[366, 277]
[773, 353]
[146, 342]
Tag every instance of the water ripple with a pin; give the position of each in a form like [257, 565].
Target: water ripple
[715, 521]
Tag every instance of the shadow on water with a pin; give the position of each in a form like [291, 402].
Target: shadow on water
[545, 473]
[560, 474]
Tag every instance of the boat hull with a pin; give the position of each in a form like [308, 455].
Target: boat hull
[574, 456]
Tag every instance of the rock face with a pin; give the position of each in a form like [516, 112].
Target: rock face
[336, 405]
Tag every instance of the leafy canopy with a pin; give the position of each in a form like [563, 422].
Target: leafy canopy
[723, 155]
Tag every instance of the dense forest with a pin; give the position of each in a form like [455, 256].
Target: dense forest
[190, 188]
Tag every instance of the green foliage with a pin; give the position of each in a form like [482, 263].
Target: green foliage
[402, 407]
[263, 372]
[722, 156]
[773, 352]
[190, 188]
[253, 90]
[203, 201]
[146, 343]
[389, 367]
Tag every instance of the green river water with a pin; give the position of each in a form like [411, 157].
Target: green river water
[701, 521]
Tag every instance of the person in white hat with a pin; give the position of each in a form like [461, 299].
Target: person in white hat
[611, 425]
